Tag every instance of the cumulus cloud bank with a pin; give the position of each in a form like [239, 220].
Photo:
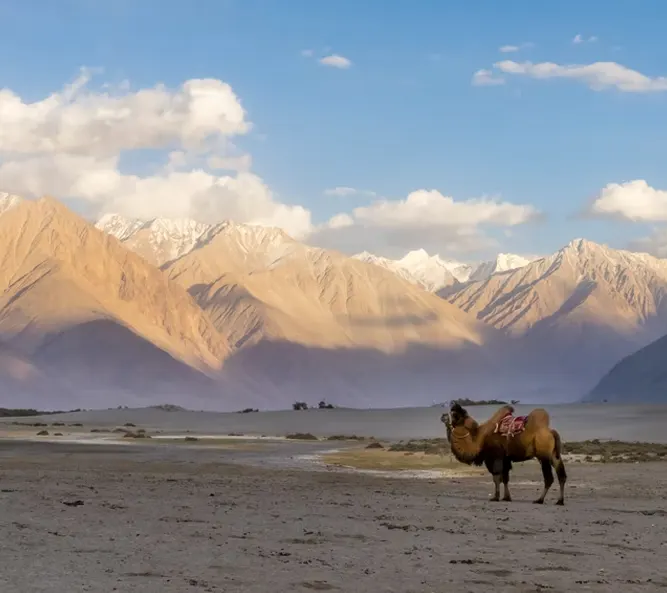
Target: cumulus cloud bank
[70, 143]
[76, 143]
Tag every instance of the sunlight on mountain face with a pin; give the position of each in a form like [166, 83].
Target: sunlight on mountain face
[244, 313]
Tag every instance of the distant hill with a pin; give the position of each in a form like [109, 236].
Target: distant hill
[639, 377]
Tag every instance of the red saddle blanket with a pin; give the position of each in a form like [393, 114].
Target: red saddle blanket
[511, 425]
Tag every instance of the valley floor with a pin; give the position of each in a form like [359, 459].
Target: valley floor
[190, 521]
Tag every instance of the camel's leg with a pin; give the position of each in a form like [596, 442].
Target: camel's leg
[507, 466]
[548, 476]
[562, 478]
[497, 478]
[495, 467]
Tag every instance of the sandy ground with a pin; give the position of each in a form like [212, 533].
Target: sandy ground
[166, 519]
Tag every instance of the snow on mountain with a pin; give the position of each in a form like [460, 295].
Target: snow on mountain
[8, 201]
[118, 226]
[265, 245]
[434, 273]
[162, 240]
[158, 240]
[388, 264]
[504, 262]
[576, 312]
[429, 271]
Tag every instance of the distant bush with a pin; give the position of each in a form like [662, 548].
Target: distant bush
[43, 433]
[296, 406]
[248, 411]
[464, 401]
[325, 406]
[17, 412]
[302, 436]
[375, 445]
[136, 435]
[343, 437]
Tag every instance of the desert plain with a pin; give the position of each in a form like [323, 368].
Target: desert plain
[165, 518]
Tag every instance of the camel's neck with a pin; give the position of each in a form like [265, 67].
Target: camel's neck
[463, 443]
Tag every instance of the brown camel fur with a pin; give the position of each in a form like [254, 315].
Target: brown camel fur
[479, 444]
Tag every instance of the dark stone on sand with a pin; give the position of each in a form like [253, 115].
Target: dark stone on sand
[375, 445]
[43, 433]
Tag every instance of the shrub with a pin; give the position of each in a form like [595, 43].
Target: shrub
[302, 436]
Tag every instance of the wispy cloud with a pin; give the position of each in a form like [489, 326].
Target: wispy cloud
[597, 76]
[344, 191]
[579, 39]
[508, 49]
[336, 61]
[486, 78]
[307, 53]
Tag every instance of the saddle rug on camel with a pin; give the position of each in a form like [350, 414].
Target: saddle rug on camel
[511, 425]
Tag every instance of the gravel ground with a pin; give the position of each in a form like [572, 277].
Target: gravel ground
[172, 520]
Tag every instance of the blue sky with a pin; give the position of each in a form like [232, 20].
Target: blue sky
[405, 116]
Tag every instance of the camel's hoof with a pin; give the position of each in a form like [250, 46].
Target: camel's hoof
[560, 503]
[494, 499]
[507, 499]
[538, 501]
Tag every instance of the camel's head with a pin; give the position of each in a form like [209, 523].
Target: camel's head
[457, 415]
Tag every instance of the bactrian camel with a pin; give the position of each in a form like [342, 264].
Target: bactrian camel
[504, 439]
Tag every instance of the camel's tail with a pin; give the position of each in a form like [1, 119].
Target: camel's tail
[558, 444]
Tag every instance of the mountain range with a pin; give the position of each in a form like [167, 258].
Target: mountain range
[232, 316]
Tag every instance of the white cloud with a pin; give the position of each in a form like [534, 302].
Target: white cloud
[77, 120]
[426, 218]
[486, 78]
[579, 39]
[70, 145]
[307, 53]
[336, 61]
[343, 191]
[340, 221]
[598, 76]
[635, 201]
[423, 208]
[508, 49]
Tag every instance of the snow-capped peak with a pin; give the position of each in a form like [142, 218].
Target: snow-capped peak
[8, 201]
[118, 225]
[504, 262]
[430, 271]
[417, 256]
